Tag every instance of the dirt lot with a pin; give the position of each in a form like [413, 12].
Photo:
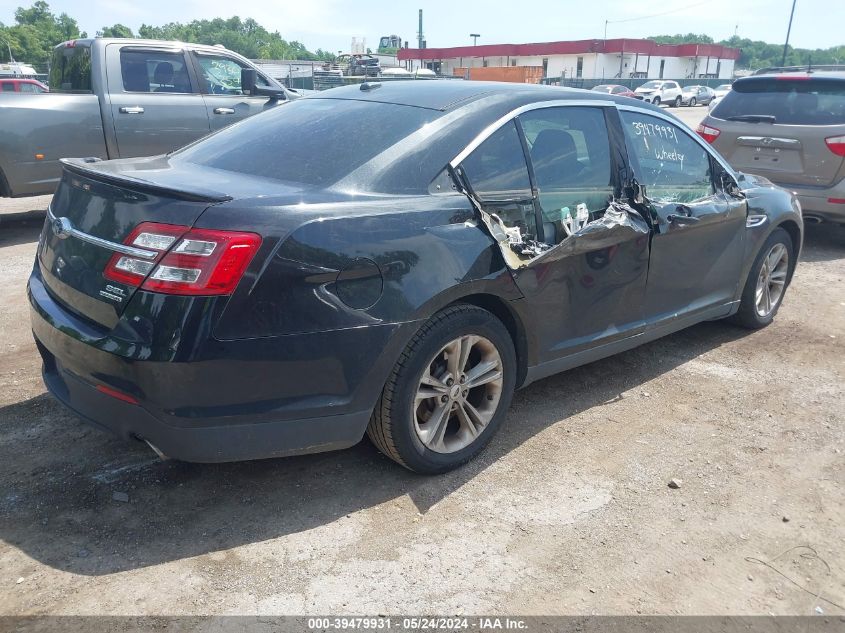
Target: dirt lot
[568, 511]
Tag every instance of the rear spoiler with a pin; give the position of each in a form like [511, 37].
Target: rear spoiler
[88, 167]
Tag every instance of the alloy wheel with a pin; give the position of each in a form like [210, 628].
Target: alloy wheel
[458, 394]
[771, 281]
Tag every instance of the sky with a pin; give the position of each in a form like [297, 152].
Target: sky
[331, 24]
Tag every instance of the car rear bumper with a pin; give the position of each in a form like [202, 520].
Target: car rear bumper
[821, 204]
[256, 399]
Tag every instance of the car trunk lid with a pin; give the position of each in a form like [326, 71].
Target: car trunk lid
[95, 208]
[779, 126]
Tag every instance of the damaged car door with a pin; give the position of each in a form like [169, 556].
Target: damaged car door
[578, 261]
[697, 247]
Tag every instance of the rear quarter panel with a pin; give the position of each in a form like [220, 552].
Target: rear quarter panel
[395, 262]
[55, 125]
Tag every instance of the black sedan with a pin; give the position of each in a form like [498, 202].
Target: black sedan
[294, 281]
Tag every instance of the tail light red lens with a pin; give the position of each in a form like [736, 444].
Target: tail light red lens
[836, 144]
[186, 262]
[708, 133]
[204, 262]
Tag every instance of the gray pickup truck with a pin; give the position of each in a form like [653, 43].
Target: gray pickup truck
[121, 98]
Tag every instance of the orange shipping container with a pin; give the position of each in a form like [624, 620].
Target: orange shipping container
[510, 74]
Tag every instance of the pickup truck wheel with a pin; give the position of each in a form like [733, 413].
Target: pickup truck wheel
[767, 282]
[448, 393]
[656, 101]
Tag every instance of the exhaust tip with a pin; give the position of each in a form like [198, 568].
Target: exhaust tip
[157, 451]
[812, 219]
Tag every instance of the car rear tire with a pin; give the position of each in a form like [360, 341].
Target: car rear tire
[692, 102]
[677, 102]
[448, 393]
[656, 101]
[767, 282]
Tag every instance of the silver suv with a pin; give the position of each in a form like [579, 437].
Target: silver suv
[790, 128]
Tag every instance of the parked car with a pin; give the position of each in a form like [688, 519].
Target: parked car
[615, 89]
[722, 90]
[123, 98]
[697, 95]
[270, 291]
[789, 128]
[658, 92]
[31, 86]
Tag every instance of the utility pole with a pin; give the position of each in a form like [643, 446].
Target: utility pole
[475, 37]
[788, 31]
[11, 57]
[605, 29]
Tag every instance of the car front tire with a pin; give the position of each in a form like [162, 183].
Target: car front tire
[692, 102]
[676, 103]
[656, 101]
[448, 393]
[767, 282]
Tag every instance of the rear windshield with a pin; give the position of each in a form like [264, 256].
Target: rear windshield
[309, 141]
[790, 101]
[70, 69]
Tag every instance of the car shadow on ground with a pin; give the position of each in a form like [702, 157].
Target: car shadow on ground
[59, 477]
[823, 242]
[20, 231]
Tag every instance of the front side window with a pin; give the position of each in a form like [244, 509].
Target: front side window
[154, 71]
[223, 75]
[672, 165]
[570, 155]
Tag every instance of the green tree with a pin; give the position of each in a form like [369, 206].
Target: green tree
[36, 31]
[118, 30]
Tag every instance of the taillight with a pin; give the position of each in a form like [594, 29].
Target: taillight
[836, 144]
[708, 133]
[150, 237]
[204, 262]
[186, 262]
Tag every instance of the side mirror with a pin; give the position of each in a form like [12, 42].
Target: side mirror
[730, 186]
[248, 80]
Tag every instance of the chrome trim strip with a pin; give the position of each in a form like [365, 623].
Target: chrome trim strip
[72, 231]
[634, 107]
[490, 129]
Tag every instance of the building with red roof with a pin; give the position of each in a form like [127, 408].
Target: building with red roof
[587, 59]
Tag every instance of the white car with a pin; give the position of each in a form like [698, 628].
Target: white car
[722, 90]
[659, 91]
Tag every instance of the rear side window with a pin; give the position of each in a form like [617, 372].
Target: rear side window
[790, 101]
[309, 141]
[153, 71]
[497, 169]
[70, 69]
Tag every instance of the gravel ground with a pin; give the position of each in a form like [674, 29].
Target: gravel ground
[568, 511]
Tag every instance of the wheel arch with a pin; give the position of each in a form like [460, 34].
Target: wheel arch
[794, 231]
[499, 308]
[5, 189]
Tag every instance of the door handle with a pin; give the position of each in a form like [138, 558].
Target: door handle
[224, 110]
[132, 110]
[684, 215]
[682, 219]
